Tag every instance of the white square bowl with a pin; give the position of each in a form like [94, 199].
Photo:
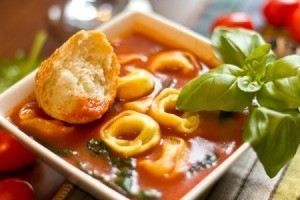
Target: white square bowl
[155, 27]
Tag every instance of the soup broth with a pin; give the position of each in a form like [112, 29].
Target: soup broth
[170, 167]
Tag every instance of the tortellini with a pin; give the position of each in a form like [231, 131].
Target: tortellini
[136, 84]
[171, 162]
[124, 59]
[163, 108]
[131, 133]
[36, 125]
[140, 105]
[174, 61]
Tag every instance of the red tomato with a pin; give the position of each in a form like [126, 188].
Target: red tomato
[13, 155]
[277, 11]
[16, 189]
[236, 19]
[294, 24]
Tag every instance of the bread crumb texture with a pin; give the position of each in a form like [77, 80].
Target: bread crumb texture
[78, 82]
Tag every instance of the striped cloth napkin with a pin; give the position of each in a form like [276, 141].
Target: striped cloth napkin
[247, 180]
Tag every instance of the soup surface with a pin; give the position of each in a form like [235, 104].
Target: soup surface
[165, 164]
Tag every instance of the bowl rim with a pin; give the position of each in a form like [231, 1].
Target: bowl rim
[112, 29]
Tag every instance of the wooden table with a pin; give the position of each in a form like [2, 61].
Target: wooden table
[19, 23]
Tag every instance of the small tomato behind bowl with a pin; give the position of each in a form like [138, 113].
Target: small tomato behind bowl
[13, 155]
[294, 24]
[16, 189]
[277, 12]
[235, 19]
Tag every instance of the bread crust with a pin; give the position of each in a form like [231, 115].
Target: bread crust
[78, 82]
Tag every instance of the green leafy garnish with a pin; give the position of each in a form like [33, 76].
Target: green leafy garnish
[273, 135]
[126, 179]
[281, 90]
[251, 77]
[216, 90]
[233, 46]
[207, 160]
[98, 147]
[12, 71]
[64, 152]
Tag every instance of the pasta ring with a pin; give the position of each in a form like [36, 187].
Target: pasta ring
[131, 133]
[172, 161]
[181, 61]
[136, 84]
[39, 126]
[165, 101]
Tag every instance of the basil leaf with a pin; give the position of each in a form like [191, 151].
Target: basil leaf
[256, 62]
[233, 46]
[10, 70]
[282, 88]
[215, 90]
[274, 136]
[13, 70]
[247, 84]
[284, 67]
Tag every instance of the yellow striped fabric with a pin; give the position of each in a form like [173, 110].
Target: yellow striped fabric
[289, 187]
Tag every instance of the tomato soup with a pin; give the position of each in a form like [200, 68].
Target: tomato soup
[161, 165]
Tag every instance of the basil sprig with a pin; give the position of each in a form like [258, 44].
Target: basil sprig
[273, 135]
[251, 77]
[13, 70]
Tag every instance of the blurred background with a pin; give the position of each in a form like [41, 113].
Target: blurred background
[20, 22]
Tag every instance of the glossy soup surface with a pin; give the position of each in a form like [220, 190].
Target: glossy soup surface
[216, 138]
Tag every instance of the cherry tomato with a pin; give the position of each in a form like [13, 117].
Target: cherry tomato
[294, 24]
[235, 19]
[13, 155]
[277, 12]
[16, 189]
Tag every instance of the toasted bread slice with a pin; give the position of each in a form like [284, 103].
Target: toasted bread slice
[78, 82]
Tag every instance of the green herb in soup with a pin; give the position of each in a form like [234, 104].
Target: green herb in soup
[126, 179]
